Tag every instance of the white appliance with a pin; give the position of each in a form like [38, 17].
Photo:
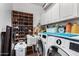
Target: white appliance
[59, 46]
[64, 46]
[55, 45]
[42, 44]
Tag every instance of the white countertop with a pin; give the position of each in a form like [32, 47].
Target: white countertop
[75, 37]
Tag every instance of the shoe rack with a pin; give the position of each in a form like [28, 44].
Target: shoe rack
[21, 23]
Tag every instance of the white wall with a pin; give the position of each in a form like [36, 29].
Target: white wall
[5, 14]
[30, 8]
[5, 17]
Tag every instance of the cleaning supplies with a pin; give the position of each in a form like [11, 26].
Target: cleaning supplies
[61, 29]
[75, 28]
[52, 29]
[68, 27]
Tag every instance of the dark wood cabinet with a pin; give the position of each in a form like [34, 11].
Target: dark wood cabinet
[21, 23]
[6, 41]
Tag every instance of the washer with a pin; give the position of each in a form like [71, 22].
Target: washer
[55, 45]
[42, 44]
[62, 45]
[52, 45]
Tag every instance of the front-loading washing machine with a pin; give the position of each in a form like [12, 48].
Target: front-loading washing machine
[55, 45]
[42, 44]
[50, 46]
[62, 45]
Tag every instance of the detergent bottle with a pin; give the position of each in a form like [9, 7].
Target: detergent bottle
[68, 27]
[75, 28]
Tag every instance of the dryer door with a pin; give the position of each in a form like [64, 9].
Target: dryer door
[40, 48]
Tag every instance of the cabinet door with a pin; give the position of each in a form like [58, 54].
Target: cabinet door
[66, 10]
[55, 13]
[43, 19]
[48, 16]
[52, 14]
[78, 9]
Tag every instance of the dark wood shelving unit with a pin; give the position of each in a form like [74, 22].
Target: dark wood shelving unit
[21, 23]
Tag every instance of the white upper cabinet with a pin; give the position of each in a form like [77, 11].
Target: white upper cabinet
[60, 12]
[66, 10]
[51, 14]
[48, 15]
[78, 9]
[43, 20]
[55, 13]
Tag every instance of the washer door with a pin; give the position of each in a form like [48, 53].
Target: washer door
[54, 51]
[40, 48]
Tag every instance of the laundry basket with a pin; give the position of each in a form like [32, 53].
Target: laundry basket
[20, 49]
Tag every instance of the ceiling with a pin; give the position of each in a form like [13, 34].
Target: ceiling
[39, 4]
